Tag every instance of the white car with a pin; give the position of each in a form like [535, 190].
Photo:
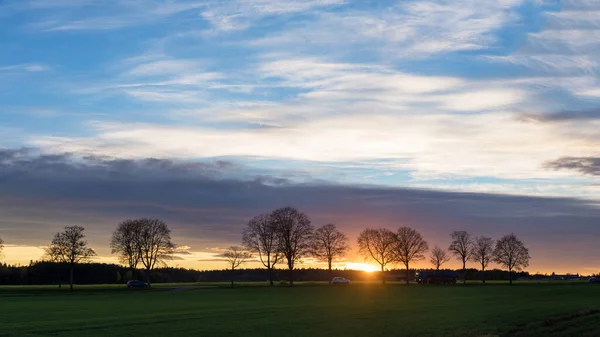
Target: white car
[340, 280]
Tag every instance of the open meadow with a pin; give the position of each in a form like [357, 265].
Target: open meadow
[367, 309]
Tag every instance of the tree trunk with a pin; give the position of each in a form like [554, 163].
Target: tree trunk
[330, 272]
[510, 276]
[291, 276]
[232, 276]
[483, 274]
[71, 279]
[464, 274]
[382, 275]
[407, 273]
[148, 278]
[270, 276]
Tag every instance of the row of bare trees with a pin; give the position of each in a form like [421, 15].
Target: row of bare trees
[407, 245]
[287, 235]
[140, 241]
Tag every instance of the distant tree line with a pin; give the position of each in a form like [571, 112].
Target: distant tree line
[53, 273]
[284, 236]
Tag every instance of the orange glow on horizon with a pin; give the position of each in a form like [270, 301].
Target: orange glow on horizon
[361, 266]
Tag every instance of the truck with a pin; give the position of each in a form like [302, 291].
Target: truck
[436, 277]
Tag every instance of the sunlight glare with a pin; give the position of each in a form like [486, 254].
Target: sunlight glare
[361, 266]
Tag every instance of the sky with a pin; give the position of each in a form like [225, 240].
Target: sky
[440, 115]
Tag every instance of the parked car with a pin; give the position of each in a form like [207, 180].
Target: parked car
[340, 280]
[594, 280]
[436, 277]
[137, 284]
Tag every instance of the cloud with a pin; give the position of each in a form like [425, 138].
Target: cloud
[584, 165]
[26, 67]
[428, 144]
[407, 29]
[232, 15]
[101, 15]
[566, 116]
[566, 44]
[40, 194]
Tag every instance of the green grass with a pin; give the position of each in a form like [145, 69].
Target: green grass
[311, 309]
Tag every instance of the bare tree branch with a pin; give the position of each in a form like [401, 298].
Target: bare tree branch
[294, 233]
[235, 257]
[511, 253]
[125, 242]
[260, 237]
[461, 247]
[69, 247]
[377, 245]
[482, 253]
[438, 257]
[155, 244]
[410, 246]
[328, 243]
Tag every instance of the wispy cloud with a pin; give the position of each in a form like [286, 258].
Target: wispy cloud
[231, 15]
[407, 29]
[26, 67]
[567, 43]
[102, 15]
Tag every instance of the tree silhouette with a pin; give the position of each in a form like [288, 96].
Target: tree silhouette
[125, 242]
[294, 233]
[155, 244]
[69, 247]
[511, 253]
[1, 247]
[438, 257]
[260, 237]
[329, 243]
[461, 247]
[483, 250]
[410, 246]
[235, 257]
[378, 245]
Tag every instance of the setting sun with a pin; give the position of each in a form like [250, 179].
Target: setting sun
[361, 266]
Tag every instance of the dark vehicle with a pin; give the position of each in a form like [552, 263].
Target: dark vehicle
[137, 284]
[436, 277]
[594, 280]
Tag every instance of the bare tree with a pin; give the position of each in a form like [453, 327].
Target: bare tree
[235, 257]
[294, 233]
[511, 253]
[410, 246]
[461, 247]
[483, 250]
[69, 247]
[329, 243]
[155, 244]
[260, 237]
[438, 257]
[378, 245]
[125, 242]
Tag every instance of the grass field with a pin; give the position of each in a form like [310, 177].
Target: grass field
[305, 310]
